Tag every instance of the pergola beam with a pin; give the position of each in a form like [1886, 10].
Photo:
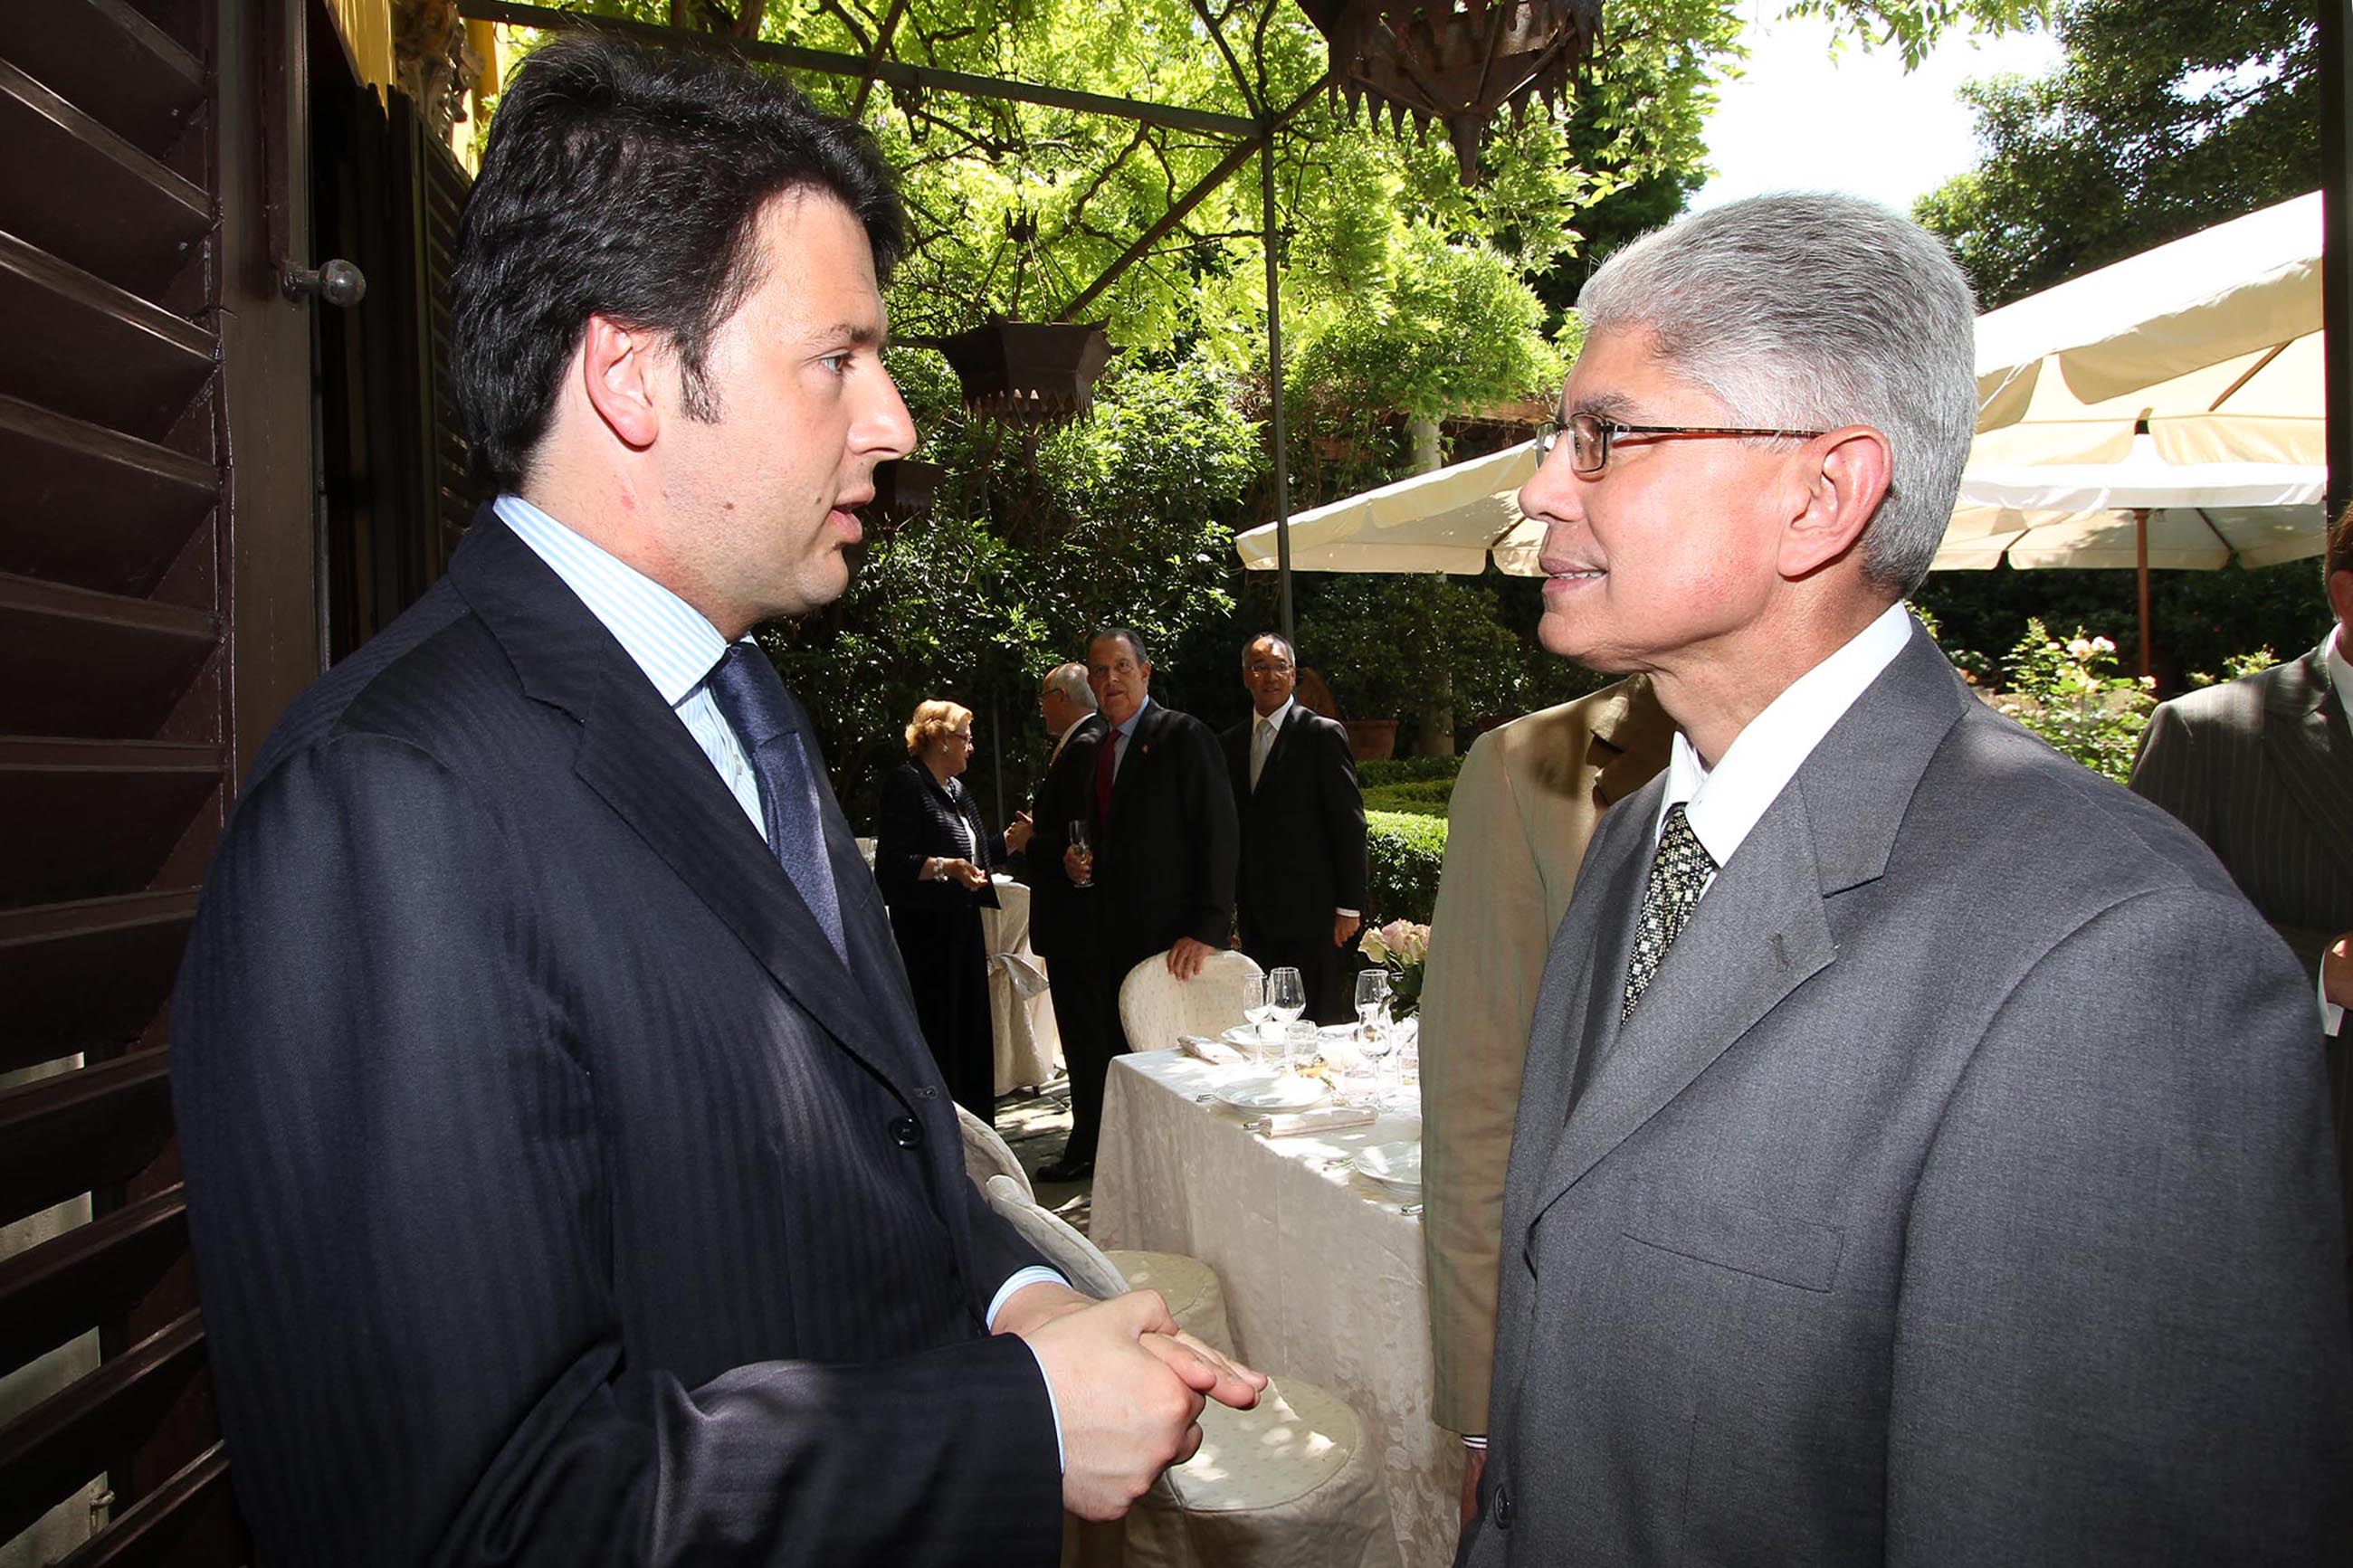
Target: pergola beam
[898, 73]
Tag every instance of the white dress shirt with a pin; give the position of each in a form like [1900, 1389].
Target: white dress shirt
[1265, 727]
[1724, 803]
[677, 647]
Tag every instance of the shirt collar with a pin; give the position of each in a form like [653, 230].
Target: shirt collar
[1279, 718]
[1128, 729]
[670, 640]
[1724, 803]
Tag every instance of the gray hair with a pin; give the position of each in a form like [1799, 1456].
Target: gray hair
[1814, 310]
[1290, 654]
[1070, 680]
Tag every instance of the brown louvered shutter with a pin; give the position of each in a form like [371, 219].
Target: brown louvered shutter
[158, 608]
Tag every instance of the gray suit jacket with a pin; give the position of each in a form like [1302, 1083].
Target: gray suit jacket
[1961, 1191]
[2262, 769]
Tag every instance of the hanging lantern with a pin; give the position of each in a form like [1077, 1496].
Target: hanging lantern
[1459, 64]
[902, 490]
[1038, 374]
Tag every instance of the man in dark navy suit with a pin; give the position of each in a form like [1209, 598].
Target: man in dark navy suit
[1161, 881]
[1300, 880]
[568, 1177]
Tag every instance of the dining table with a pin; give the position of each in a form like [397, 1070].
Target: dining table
[1322, 1265]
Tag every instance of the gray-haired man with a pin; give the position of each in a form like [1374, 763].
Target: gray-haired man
[1923, 1152]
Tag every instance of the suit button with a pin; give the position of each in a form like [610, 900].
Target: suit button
[906, 1131]
[1501, 1509]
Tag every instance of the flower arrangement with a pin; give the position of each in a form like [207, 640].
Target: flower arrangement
[1401, 947]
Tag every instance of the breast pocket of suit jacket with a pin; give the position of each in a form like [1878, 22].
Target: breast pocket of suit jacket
[1776, 1247]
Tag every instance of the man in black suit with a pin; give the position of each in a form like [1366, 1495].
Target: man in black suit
[1060, 928]
[568, 1178]
[1301, 884]
[1161, 878]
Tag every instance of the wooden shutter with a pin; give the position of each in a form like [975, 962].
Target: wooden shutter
[158, 589]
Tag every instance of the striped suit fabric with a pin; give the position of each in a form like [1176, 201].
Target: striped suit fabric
[557, 1195]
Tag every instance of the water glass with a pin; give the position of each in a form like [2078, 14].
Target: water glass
[1300, 1044]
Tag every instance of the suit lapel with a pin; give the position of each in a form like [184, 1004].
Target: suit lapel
[2305, 733]
[636, 755]
[1283, 745]
[1762, 930]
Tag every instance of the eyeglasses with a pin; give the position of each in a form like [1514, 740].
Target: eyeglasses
[1589, 437]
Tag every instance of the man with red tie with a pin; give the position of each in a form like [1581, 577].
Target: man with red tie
[1162, 876]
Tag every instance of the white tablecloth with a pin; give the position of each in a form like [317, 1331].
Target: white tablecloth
[1323, 1274]
[1020, 1013]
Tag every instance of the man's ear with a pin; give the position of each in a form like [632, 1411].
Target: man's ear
[2340, 597]
[621, 371]
[1840, 497]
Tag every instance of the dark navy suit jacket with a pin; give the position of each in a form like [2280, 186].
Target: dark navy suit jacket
[558, 1197]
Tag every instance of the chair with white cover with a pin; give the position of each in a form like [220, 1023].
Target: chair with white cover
[1291, 1484]
[1154, 1006]
[1196, 1297]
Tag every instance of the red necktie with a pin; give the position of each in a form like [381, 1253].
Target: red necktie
[1106, 765]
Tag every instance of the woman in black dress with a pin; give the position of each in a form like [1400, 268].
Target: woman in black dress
[932, 858]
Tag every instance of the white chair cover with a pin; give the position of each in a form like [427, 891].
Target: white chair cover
[1154, 1006]
[1028, 1043]
[1290, 1484]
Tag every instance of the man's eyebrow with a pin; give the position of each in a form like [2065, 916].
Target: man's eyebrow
[1604, 405]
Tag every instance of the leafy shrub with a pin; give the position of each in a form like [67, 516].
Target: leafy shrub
[1424, 798]
[1406, 852]
[1407, 770]
[2064, 693]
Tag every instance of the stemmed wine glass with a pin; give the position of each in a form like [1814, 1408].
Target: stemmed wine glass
[1083, 844]
[1260, 1012]
[1287, 993]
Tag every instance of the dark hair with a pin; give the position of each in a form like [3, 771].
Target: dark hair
[2340, 542]
[1134, 643]
[627, 183]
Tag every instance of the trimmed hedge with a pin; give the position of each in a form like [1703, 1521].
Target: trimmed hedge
[1405, 850]
[1422, 797]
[1407, 770]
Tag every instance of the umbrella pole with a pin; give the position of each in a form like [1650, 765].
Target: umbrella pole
[2140, 563]
[1274, 388]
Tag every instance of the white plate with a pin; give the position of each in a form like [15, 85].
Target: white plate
[1288, 1092]
[1244, 1038]
[1391, 1164]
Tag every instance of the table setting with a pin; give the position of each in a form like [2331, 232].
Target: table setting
[1288, 1157]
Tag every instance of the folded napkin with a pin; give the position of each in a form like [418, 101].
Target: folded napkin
[1323, 1119]
[1216, 1053]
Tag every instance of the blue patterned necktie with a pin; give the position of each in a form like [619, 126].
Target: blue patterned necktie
[745, 685]
[1679, 872]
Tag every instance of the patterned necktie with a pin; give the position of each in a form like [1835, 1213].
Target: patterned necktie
[1678, 871]
[745, 685]
[1262, 743]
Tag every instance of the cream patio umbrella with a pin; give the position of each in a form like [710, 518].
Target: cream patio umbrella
[2232, 295]
[1453, 519]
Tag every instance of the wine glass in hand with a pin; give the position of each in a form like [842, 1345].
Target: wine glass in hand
[1082, 850]
[1287, 993]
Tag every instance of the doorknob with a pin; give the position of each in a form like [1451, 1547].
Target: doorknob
[336, 282]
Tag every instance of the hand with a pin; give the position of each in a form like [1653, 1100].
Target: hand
[2336, 971]
[1474, 1464]
[1127, 1412]
[1078, 868]
[1185, 959]
[1032, 1306]
[967, 875]
[1018, 836]
[1344, 927]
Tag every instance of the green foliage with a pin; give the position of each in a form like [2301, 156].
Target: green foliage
[1384, 771]
[2238, 667]
[1406, 852]
[2164, 119]
[2064, 693]
[1426, 798]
